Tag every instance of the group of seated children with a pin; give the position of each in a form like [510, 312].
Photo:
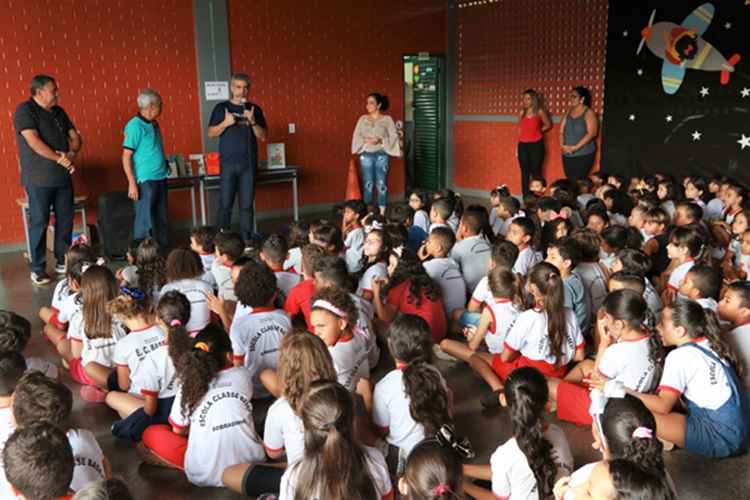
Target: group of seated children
[619, 304]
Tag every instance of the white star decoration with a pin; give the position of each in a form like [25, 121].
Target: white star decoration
[744, 142]
[640, 72]
[745, 92]
[631, 118]
[697, 135]
[727, 26]
[669, 118]
[704, 91]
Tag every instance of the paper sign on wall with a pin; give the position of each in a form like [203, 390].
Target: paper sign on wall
[217, 91]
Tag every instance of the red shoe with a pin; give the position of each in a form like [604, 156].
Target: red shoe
[92, 394]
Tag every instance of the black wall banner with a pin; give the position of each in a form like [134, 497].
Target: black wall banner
[677, 88]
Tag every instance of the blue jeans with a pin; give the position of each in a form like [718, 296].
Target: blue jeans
[41, 199]
[234, 178]
[373, 170]
[151, 212]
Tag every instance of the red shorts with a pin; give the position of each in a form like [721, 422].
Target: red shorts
[165, 444]
[573, 402]
[78, 373]
[504, 369]
[55, 321]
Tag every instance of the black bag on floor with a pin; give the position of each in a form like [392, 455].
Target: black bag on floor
[115, 222]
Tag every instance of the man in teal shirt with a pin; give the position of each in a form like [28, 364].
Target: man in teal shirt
[146, 169]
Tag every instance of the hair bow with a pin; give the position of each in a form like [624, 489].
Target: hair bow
[202, 346]
[133, 293]
[643, 432]
[558, 215]
[399, 251]
[175, 322]
[440, 489]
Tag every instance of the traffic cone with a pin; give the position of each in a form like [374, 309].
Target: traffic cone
[353, 192]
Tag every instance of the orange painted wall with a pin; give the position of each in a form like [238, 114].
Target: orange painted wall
[101, 52]
[505, 48]
[313, 64]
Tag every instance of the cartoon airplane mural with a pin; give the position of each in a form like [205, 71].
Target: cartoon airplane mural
[682, 47]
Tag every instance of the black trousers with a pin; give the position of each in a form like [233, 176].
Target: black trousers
[530, 159]
[578, 167]
[41, 200]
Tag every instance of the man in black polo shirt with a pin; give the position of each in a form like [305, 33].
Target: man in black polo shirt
[238, 124]
[47, 145]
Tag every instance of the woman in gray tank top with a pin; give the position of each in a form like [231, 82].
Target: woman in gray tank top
[578, 135]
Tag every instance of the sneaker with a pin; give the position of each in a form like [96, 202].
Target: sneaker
[92, 394]
[40, 278]
[441, 354]
[60, 269]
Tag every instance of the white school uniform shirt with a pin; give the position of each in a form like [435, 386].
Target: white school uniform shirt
[511, 475]
[446, 273]
[365, 314]
[6, 429]
[293, 260]
[708, 303]
[714, 210]
[284, 431]
[496, 223]
[422, 220]
[529, 337]
[376, 467]
[350, 359]
[628, 361]
[653, 301]
[504, 315]
[377, 270]
[222, 432]
[207, 259]
[453, 222]
[99, 350]
[435, 225]
[132, 350]
[62, 291]
[472, 255]
[527, 258]
[690, 373]
[88, 458]
[354, 244]
[223, 277]
[286, 280]
[482, 293]
[507, 222]
[130, 275]
[256, 337]
[68, 307]
[156, 375]
[43, 366]
[739, 340]
[679, 273]
[595, 281]
[391, 410]
[196, 291]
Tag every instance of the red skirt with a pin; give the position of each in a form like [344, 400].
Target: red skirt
[503, 369]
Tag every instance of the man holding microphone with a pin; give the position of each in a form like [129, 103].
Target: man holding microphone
[238, 124]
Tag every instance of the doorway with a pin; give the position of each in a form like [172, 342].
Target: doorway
[424, 121]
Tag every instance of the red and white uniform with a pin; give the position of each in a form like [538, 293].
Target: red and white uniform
[132, 350]
[284, 431]
[88, 458]
[529, 336]
[511, 475]
[196, 292]
[156, 374]
[350, 359]
[354, 244]
[222, 432]
[377, 270]
[504, 315]
[99, 350]
[286, 280]
[376, 467]
[255, 341]
[679, 273]
[223, 277]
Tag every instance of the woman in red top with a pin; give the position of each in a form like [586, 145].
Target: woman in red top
[409, 290]
[534, 122]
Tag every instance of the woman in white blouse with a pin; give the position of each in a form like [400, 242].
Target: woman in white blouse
[375, 139]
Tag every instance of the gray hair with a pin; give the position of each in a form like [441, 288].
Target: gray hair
[243, 77]
[147, 97]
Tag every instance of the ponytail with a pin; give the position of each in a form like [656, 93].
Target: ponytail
[199, 366]
[634, 481]
[546, 278]
[720, 346]
[174, 311]
[428, 396]
[526, 393]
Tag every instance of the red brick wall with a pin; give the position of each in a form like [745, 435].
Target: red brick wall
[505, 48]
[101, 52]
[313, 63]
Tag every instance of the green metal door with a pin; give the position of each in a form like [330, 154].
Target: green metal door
[424, 87]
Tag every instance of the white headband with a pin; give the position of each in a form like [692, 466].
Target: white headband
[324, 304]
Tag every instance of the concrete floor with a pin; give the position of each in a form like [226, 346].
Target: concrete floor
[695, 477]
